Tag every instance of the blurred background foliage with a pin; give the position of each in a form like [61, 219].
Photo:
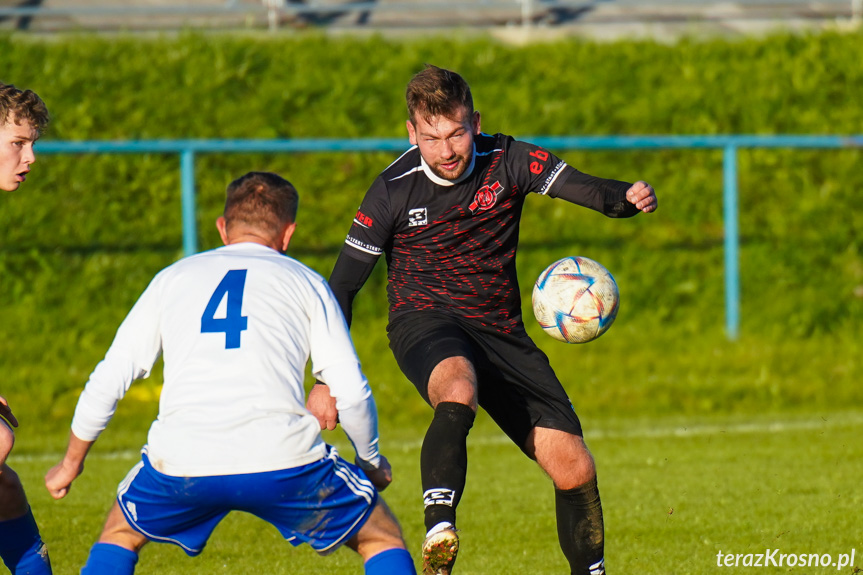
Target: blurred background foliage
[83, 237]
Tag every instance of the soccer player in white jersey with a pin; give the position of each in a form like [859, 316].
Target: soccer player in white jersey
[23, 117]
[237, 326]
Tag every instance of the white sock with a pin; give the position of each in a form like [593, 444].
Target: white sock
[440, 527]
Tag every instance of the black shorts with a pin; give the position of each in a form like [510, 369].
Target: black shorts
[517, 386]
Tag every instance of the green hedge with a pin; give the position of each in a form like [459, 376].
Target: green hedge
[82, 238]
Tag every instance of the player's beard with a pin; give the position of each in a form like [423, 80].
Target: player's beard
[463, 163]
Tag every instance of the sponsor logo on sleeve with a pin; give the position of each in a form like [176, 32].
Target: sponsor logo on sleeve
[552, 176]
[363, 220]
[538, 164]
[363, 246]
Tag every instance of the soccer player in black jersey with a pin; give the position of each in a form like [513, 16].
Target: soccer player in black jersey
[23, 117]
[446, 215]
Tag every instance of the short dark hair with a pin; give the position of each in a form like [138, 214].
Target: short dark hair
[437, 92]
[22, 105]
[261, 200]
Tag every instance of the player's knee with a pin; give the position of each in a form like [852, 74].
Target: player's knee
[382, 530]
[117, 531]
[8, 478]
[453, 380]
[455, 390]
[573, 470]
[388, 525]
[13, 500]
[565, 458]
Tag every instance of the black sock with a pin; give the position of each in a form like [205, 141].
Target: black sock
[580, 528]
[443, 461]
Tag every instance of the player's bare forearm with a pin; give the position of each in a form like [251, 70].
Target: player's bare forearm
[59, 478]
[323, 406]
[642, 196]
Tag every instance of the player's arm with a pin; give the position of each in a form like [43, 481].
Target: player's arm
[59, 478]
[542, 172]
[359, 418]
[335, 363]
[613, 198]
[348, 277]
[134, 351]
[360, 253]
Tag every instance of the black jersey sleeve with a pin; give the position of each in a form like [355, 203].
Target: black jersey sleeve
[533, 169]
[349, 275]
[372, 226]
[538, 170]
[605, 196]
[370, 231]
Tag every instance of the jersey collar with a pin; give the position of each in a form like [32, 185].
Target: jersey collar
[442, 182]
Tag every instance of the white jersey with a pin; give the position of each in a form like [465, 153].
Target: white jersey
[237, 326]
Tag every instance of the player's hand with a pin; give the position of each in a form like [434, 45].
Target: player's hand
[323, 406]
[380, 476]
[58, 480]
[642, 196]
[6, 412]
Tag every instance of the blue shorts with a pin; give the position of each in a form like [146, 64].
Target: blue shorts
[323, 503]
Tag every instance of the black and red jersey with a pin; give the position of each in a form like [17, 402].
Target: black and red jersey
[450, 246]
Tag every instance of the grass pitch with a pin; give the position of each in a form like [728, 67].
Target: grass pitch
[675, 493]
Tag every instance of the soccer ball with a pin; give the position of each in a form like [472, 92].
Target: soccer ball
[575, 300]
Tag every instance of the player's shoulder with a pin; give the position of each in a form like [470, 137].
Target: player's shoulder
[488, 143]
[295, 266]
[247, 255]
[405, 166]
[517, 153]
[264, 267]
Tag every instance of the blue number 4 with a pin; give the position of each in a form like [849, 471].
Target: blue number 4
[234, 321]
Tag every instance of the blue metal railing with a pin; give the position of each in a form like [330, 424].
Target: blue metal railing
[188, 149]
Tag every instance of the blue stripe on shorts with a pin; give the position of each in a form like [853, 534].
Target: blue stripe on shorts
[323, 503]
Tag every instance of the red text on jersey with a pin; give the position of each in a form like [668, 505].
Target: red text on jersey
[364, 219]
[537, 167]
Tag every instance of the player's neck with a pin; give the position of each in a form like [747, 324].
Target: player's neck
[244, 238]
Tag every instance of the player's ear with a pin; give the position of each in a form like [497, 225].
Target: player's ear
[285, 236]
[412, 133]
[476, 123]
[222, 226]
